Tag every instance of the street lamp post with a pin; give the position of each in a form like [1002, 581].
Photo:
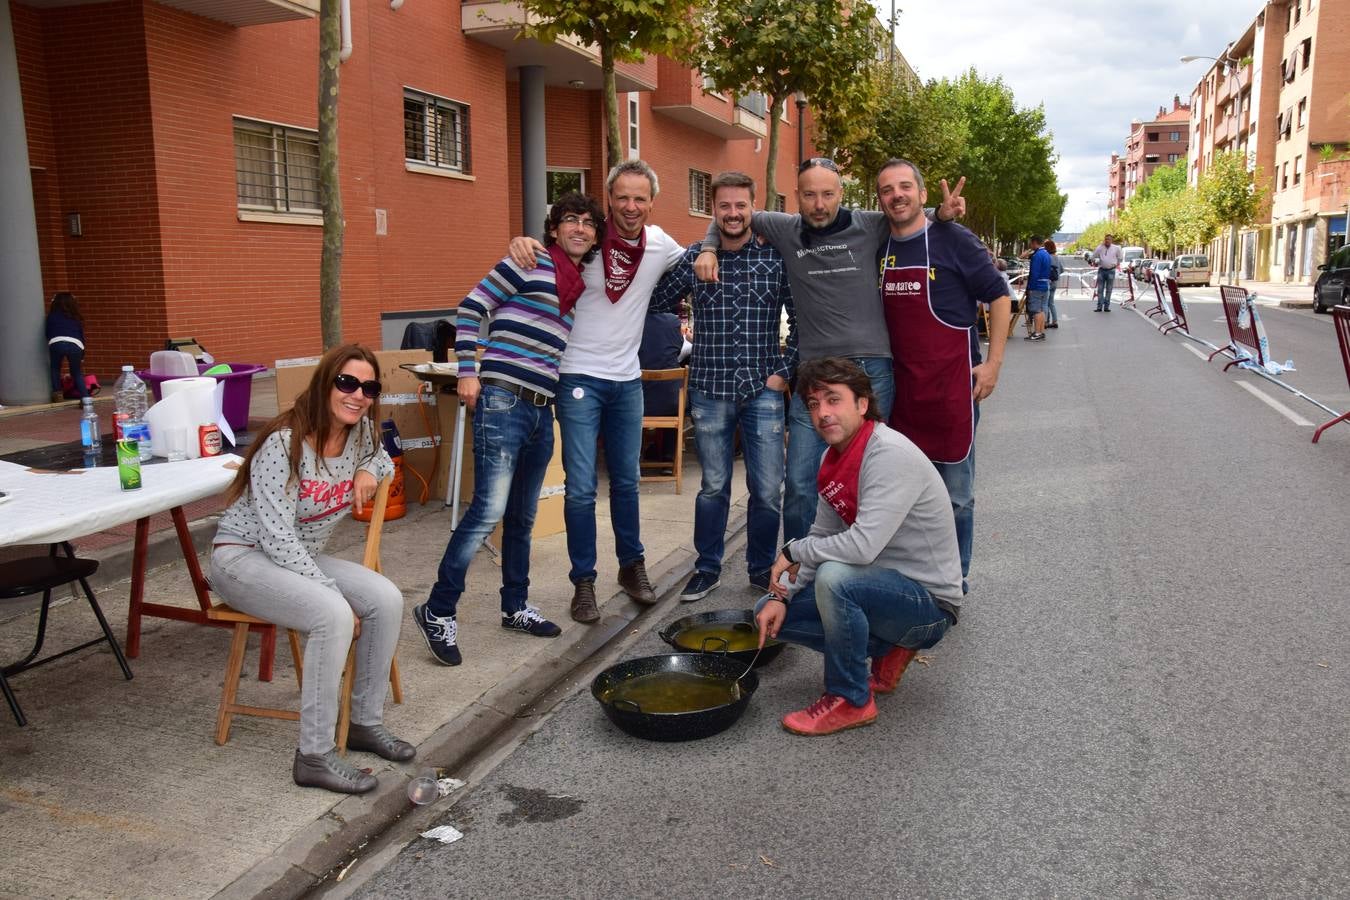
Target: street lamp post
[1230, 67]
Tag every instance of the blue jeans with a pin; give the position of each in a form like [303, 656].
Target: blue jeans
[611, 410]
[1051, 314]
[65, 350]
[761, 422]
[850, 613]
[960, 481]
[805, 448]
[1105, 279]
[512, 446]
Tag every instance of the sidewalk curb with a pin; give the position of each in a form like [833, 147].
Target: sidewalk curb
[331, 841]
[1295, 304]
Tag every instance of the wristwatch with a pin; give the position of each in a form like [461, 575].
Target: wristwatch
[787, 553]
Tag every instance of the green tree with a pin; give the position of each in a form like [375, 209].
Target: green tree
[897, 116]
[330, 190]
[1008, 158]
[1230, 191]
[1092, 236]
[624, 31]
[780, 47]
[1164, 180]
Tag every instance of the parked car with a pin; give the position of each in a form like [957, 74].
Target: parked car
[1191, 268]
[1333, 285]
[1014, 264]
[1140, 268]
[1162, 268]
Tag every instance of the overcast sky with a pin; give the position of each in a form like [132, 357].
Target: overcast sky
[1094, 64]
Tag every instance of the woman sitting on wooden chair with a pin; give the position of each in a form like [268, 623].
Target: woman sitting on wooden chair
[304, 469]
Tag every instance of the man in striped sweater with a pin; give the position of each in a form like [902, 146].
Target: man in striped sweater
[523, 316]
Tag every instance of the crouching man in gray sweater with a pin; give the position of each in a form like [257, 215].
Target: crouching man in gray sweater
[879, 574]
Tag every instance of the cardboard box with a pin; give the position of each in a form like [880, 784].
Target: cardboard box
[405, 399]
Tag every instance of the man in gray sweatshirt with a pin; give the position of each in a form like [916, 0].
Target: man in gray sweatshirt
[879, 574]
[830, 255]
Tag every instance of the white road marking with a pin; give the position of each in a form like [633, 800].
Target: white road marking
[1204, 356]
[1274, 404]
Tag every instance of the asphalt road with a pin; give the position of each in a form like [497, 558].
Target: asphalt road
[1146, 697]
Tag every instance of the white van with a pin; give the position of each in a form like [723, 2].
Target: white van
[1191, 268]
[1128, 257]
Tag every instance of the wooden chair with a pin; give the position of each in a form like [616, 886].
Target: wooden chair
[234, 666]
[676, 422]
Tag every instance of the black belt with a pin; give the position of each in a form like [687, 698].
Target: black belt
[534, 397]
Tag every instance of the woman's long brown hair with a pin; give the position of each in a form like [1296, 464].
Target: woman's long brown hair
[310, 417]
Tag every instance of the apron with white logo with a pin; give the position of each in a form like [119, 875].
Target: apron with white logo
[934, 406]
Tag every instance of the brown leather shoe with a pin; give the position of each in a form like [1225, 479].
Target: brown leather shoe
[584, 609]
[633, 579]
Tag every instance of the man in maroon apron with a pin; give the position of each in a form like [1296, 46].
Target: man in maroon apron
[933, 277]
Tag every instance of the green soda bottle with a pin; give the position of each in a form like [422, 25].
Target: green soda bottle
[129, 465]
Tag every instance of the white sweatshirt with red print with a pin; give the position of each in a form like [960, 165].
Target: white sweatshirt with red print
[290, 519]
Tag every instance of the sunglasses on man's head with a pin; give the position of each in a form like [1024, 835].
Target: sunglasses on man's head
[821, 161]
[349, 383]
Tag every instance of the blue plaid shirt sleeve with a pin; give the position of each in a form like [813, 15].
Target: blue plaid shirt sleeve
[676, 284]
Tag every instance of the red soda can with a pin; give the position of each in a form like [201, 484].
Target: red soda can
[119, 419]
[208, 439]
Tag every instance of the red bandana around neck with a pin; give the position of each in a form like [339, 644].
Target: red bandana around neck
[568, 277]
[838, 478]
[621, 260]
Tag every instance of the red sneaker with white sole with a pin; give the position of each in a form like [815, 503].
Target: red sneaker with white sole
[887, 670]
[830, 714]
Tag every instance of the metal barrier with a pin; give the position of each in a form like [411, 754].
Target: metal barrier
[1341, 317]
[1131, 302]
[1242, 335]
[1177, 316]
[1248, 344]
[1158, 308]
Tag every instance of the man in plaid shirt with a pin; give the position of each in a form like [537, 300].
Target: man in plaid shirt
[738, 375]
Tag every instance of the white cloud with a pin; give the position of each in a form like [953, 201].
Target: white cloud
[1095, 65]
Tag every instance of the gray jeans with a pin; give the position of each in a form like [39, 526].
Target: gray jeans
[250, 582]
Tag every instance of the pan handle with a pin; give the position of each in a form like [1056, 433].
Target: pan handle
[621, 702]
[703, 647]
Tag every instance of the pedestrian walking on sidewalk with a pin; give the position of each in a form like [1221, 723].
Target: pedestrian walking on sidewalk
[1107, 259]
[879, 576]
[65, 341]
[303, 471]
[523, 316]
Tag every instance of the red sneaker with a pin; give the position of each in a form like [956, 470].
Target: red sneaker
[887, 670]
[830, 714]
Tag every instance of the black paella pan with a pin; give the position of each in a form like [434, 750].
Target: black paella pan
[686, 695]
[731, 631]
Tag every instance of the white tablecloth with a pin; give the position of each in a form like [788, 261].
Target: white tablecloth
[45, 507]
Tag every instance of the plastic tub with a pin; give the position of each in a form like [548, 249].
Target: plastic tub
[238, 389]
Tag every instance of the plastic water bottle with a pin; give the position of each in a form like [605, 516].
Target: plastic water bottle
[91, 433]
[129, 395]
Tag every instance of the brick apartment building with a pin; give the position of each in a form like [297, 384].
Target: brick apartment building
[1159, 142]
[169, 149]
[1279, 94]
[1115, 181]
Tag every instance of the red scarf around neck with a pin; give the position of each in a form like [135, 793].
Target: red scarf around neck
[621, 260]
[839, 470]
[567, 276]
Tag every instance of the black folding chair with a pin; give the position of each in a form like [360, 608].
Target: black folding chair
[33, 575]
